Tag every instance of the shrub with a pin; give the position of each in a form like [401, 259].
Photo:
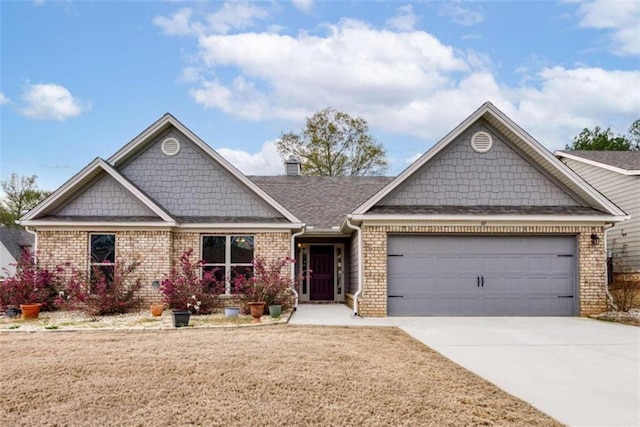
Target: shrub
[101, 295]
[30, 284]
[625, 286]
[184, 289]
[268, 283]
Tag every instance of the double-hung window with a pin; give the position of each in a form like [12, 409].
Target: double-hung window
[228, 257]
[103, 255]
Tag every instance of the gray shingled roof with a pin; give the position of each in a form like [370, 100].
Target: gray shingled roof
[627, 160]
[321, 201]
[15, 240]
[485, 210]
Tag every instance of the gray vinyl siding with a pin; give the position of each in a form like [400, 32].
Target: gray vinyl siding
[106, 197]
[624, 191]
[192, 184]
[353, 265]
[462, 177]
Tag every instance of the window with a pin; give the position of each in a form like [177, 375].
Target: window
[228, 256]
[103, 255]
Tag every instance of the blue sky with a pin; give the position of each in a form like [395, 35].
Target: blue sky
[79, 79]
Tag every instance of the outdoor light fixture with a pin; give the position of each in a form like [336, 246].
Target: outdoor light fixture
[595, 240]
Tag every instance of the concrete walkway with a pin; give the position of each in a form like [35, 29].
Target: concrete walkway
[583, 372]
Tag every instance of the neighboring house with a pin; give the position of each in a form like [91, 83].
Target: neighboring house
[12, 243]
[487, 222]
[616, 174]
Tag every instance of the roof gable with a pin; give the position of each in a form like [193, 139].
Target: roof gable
[15, 241]
[84, 181]
[237, 196]
[461, 176]
[528, 146]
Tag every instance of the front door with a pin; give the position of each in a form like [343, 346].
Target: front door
[322, 278]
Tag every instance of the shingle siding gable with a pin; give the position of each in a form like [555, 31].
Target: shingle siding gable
[459, 176]
[105, 197]
[190, 183]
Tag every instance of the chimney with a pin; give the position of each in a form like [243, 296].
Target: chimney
[293, 166]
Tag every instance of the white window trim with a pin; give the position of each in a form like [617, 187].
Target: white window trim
[227, 258]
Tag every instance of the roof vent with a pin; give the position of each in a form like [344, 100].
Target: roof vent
[170, 146]
[481, 142]
[293, 166]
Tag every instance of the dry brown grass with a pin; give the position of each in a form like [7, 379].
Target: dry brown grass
[278, 375]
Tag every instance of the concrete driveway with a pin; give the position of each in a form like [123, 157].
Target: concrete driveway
[582, 372]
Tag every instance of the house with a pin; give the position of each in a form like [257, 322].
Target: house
[615, 174]
[486, 222]
[12, 243]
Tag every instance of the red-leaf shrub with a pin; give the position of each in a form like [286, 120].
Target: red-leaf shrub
[101, 295]
[268, 283]
[184, 289]
[30, 284]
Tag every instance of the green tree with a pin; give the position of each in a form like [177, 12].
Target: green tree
[21, 193]
[600, 139]
[335, 144]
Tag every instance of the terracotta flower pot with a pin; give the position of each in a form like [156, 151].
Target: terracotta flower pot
[30, 311]
[157, 309]
[257, 310]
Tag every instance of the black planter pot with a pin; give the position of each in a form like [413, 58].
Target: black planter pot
[12, 313]
[180, 318]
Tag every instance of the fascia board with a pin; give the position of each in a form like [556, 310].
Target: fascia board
[96, 224]
[621, 171]
[241, 226]
[509, 218]
[169, 119]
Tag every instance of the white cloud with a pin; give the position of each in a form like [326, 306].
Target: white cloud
[404, 20]
[230, 16]
[4, 99]
[178, 24]
[411, 159]
[51, 102]
[619, 17]
[405, 82]
[265, 162]
[461, 15]
[303, 5]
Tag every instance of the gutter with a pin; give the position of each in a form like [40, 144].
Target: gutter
[359, 291]
[293, 267]
[606, 277]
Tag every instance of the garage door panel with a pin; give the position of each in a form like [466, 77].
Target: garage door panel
[524, 275]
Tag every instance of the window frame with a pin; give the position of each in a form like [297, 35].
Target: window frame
[228, 265]
[93, 264]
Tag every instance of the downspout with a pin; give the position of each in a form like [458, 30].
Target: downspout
[359, 291]
[293, 267]
[35, 241]
[606, 277]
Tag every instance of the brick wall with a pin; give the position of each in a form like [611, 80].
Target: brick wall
[158, 251]
[591, 261]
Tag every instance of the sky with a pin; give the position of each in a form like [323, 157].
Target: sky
[80, 79]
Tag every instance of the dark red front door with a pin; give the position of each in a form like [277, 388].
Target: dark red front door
[321, 273]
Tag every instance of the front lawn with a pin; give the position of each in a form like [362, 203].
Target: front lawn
[279, 375]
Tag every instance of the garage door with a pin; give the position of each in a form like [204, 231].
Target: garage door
[486, 275]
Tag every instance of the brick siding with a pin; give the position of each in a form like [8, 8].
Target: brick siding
[158, 251]
[591, 261]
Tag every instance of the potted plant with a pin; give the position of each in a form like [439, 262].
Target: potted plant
[186, 293]
[267, 286]
[157, 309]
[31, 288]
[231, 312]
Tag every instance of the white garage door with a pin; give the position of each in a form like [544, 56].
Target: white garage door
[481, 275]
